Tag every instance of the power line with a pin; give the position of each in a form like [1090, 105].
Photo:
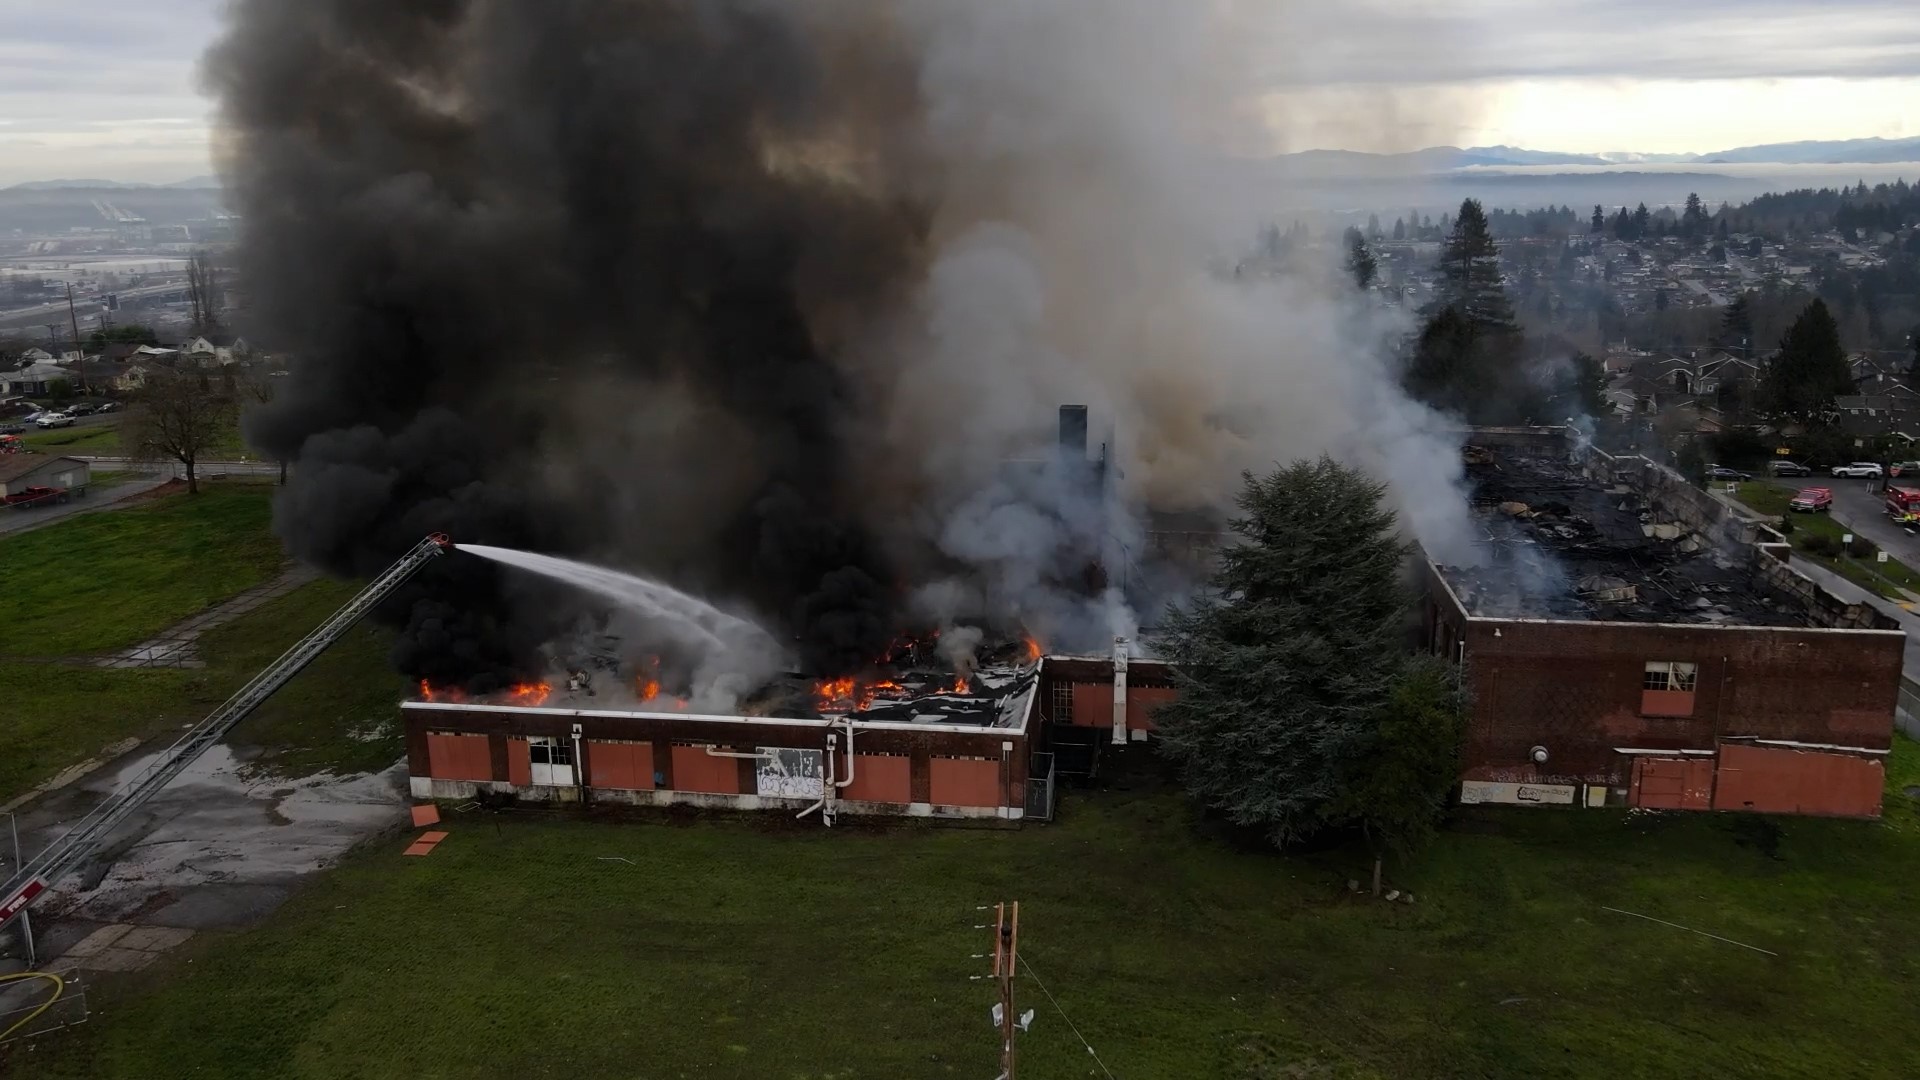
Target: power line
[1035, 976]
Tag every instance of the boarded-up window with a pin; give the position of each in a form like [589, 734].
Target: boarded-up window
[1667, 689]
[696, 770]
[519, 763]
[1092, 704]
[1671, 783]
[459, 757]
[623, 765]
[964, 781]
[1142, 701]
[886, 778]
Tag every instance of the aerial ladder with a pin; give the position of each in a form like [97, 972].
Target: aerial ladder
[78, 842]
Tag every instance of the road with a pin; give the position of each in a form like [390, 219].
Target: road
[15, 520]
[151, 475]
[1864, 512]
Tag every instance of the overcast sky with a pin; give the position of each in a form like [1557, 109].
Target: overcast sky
[107, 88]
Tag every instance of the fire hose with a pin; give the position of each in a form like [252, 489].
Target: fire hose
[59, 988]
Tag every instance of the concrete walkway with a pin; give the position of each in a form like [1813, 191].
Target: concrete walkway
[174, 647]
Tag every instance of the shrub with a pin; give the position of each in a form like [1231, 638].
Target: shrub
[1817, 544]
[1861, 548]
[1785, 528]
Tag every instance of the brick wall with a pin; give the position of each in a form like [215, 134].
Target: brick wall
[1577, 690]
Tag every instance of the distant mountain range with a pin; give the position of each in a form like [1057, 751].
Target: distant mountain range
[1443, 158]
[51, 185]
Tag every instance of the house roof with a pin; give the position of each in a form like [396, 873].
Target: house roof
[15, 466]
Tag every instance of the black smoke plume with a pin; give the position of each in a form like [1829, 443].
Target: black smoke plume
[565, 275]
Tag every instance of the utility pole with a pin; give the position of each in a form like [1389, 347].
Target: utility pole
[1006, 956]
[74, 321]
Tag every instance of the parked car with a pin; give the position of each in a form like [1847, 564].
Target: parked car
[1857, 469]
[54, 419]
[82, 408]
[108, 406]
[1904, 468]
[1788, 468]
[1812, 501]
[12, 429]
[1721, 472]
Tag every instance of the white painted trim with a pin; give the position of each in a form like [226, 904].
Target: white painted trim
[1672, 753]
[420, 787]
[1792, 744]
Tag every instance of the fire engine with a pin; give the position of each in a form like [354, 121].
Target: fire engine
[1903, 504]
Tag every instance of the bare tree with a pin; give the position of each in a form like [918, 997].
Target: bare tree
[180, 415]
[253, 387]
[203, 292]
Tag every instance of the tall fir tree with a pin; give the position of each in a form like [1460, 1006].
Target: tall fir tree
[1284, 668]
[1736, 324]
[1599, 224]
[1470, 271]
[1360, 262]
[1809, 371]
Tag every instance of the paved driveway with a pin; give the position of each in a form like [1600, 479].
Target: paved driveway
[98, 498]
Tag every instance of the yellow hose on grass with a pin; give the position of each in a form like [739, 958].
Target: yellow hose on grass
[59, 987]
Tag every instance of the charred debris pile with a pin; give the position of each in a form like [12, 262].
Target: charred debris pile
[1558, 545]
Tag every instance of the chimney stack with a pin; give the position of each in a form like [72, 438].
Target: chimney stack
[1073, 432]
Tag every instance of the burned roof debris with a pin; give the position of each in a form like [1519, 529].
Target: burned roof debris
[1559, 545]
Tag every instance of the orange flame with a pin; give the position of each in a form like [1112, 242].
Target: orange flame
[446, 693]
[961, 685]
[529, 693]
[649, 688]
[1031, 647]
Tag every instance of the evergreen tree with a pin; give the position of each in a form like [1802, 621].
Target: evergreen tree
[1599, 220]
[1693, 220]
[1398, 788]
[1360, 263]
[1470, 271]
[1399, 229]
[1720, 230]
[1373, 226]
[1285, 669]
[1641, 218]
[1809, 371]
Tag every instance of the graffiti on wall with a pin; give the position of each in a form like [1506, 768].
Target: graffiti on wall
[1487, 791]
[787, 773]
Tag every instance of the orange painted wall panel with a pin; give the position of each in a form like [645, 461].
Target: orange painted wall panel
[696, 770]
[1666, 703]
[519, 763]
[1671, 783]
[968, 782]
[626, 765]
[878, 778]
[459, 757]
[1776, 780]
[1141, 701]
[1092, 704]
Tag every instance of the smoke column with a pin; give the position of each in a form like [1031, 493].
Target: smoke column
[762, 299]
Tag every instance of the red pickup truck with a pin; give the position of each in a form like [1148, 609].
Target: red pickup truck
[36, 496]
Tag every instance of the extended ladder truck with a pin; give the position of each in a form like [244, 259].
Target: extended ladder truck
[77, 843]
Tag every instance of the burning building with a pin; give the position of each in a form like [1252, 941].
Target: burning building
[1630, 639]
[911, 740]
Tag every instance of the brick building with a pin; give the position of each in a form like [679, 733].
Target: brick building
[964, 762]
[1676, 662]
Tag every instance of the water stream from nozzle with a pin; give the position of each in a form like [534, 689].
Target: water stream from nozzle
[646, 596]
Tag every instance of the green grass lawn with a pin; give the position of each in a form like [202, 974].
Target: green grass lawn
[102, 439]
[338, 715]
[748, 946]
[98, 582]
[1885, 579]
